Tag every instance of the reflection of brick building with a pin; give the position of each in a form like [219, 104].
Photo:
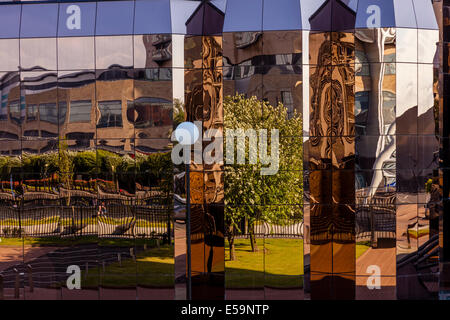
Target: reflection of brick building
[121, 108]
[267, 66]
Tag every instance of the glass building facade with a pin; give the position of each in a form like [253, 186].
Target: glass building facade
[91, 93]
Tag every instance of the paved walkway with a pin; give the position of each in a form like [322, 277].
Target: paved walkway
[12, 255]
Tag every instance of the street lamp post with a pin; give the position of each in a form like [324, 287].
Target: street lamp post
[188, 232]
[187, 133]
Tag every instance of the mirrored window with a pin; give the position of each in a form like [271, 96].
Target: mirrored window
[114, 51]
[48, 112]
[76, 53]
[38, 53]
[39, 110]
[281, 15]
[152, 51]
[406, 45]
[39, 20]
[110, 114]
[243, 16]
[114, 18]
[10, 21]
[152, 17]
[9, 54]
[80, 111]
[425, 16]
[405, 16]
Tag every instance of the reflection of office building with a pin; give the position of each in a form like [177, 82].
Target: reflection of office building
[87, 111]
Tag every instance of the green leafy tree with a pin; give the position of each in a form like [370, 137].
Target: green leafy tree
[250, 196]
[65, 167]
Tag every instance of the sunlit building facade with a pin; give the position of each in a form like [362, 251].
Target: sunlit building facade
[91, 93]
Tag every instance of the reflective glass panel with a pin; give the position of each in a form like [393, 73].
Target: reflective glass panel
[426, 19]
[10, 21]
[281, 15]
[114, 18]
[39, 20]
[38, 53]
[76, 53]
[9, 54]
[152, 51]
[152, 17]
[243, 16]
[112, 51]
[405, 16]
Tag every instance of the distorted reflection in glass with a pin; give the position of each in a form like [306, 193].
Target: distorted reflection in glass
[152, 50]
[114, 51]
[9, 54]
[76, 53]
[76, 98]
[152, 112]
[11, 230]
[38, 54]
[375, 180]
[155, 227]
[114, 94]
[40, 114]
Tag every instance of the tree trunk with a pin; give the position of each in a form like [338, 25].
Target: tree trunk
[251, 230]
[232, 251]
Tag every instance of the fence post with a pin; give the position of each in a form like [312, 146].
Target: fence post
[168, 227]
[1, 287]
[30, 277]
[16, 284]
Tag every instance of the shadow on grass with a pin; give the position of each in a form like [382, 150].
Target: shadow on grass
[278, 263]
[153, 268]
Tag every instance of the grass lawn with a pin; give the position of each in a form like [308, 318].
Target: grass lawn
[279, 265]
[153, 268]
[414, 233]
[66, 241]
[91, 221]
[361, 247]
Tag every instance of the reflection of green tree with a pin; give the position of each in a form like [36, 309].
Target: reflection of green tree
[65, 167]
[245, 188]
[153, 170]
[178, 112]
